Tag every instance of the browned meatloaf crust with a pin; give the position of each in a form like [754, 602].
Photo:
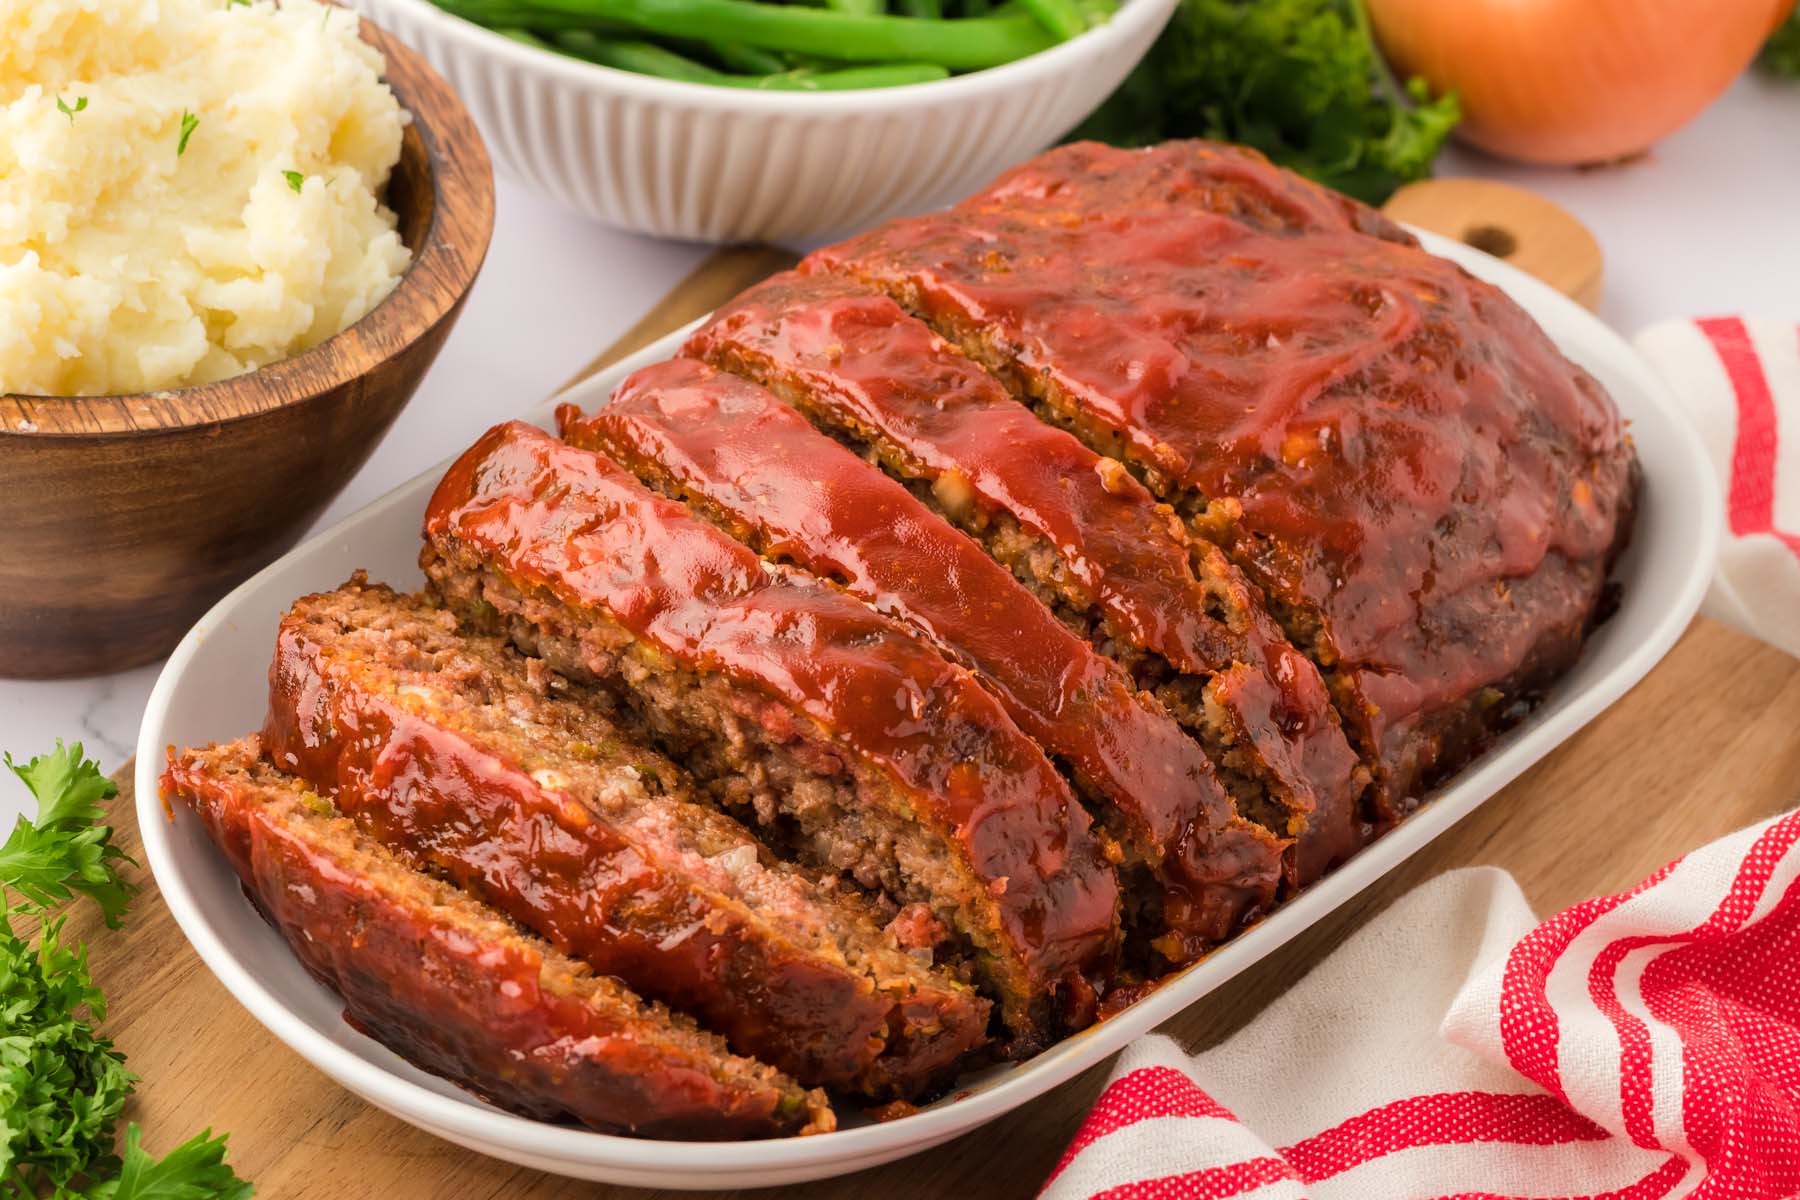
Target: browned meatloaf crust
[1076, 528]
[445, 981]
[758, 469]
[478, 763]
[1428, 493]
[846, 736]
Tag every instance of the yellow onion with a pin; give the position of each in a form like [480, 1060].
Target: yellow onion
[1574, 81]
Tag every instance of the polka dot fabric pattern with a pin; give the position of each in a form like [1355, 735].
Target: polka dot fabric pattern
[1640, 1046]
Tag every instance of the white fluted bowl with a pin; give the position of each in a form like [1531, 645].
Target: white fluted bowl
[715, 164]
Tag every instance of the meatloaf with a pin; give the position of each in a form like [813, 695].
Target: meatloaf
[851, 741]
[455, 988]
[1428, 493]
[1156, 483]
[760, 471]
[1075, 528]
[481, 765]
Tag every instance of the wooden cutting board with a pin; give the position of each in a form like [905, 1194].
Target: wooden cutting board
[1708, 742]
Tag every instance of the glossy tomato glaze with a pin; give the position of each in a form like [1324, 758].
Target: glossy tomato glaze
[850, 354]
[730, 445]
[597, 889]
[576, 526]
[1391, 448]
[474, 1008]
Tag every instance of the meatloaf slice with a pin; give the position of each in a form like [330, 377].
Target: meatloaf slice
[482, 765]
[1427, 492]
[847, 738]
[1076, 528]
[759, 470]
[445, 981]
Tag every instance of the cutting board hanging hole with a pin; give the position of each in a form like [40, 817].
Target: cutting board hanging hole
[1510, 223]
[1492, 239]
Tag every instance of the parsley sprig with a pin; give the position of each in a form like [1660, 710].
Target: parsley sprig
[1300, 80]
[62, 1083]
[66, 850]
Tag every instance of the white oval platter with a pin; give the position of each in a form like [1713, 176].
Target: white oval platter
[214, 688]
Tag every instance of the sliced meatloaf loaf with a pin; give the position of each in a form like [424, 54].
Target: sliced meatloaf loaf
[850, 740]
[445, 981]
[758, 469]
[1076, 528]
[1428, 493]
[484, 766]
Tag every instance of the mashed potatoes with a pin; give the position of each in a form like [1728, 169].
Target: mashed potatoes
[128, 264]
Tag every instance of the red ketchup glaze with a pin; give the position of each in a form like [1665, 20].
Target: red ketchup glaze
[810, 501]
[1396, 445]
[867, 364]
[578, 526]
[593, 889]
[460, 1006]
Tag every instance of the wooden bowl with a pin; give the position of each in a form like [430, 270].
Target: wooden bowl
[123, 518]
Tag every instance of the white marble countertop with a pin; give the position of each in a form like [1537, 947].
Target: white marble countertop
[1708, 223]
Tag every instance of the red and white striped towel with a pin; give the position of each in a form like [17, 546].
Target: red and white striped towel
[1635, 1047]
[1739, 379]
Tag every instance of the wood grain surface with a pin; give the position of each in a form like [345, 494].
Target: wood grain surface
[1708, 742]
[123, 518]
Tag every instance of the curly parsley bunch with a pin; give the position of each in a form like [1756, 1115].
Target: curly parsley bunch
[62, 1084]
[1299, 80]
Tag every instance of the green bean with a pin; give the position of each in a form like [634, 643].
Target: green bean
[525, 37]
[926, 9]
[873, 75]
[747, 60]
[579, 43]
[1060, 17]
[627, 52]
[647, 58]
[501, 15]
[956, 44]
[865, 8]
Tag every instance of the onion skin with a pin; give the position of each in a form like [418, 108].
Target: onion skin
[1574, 81]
